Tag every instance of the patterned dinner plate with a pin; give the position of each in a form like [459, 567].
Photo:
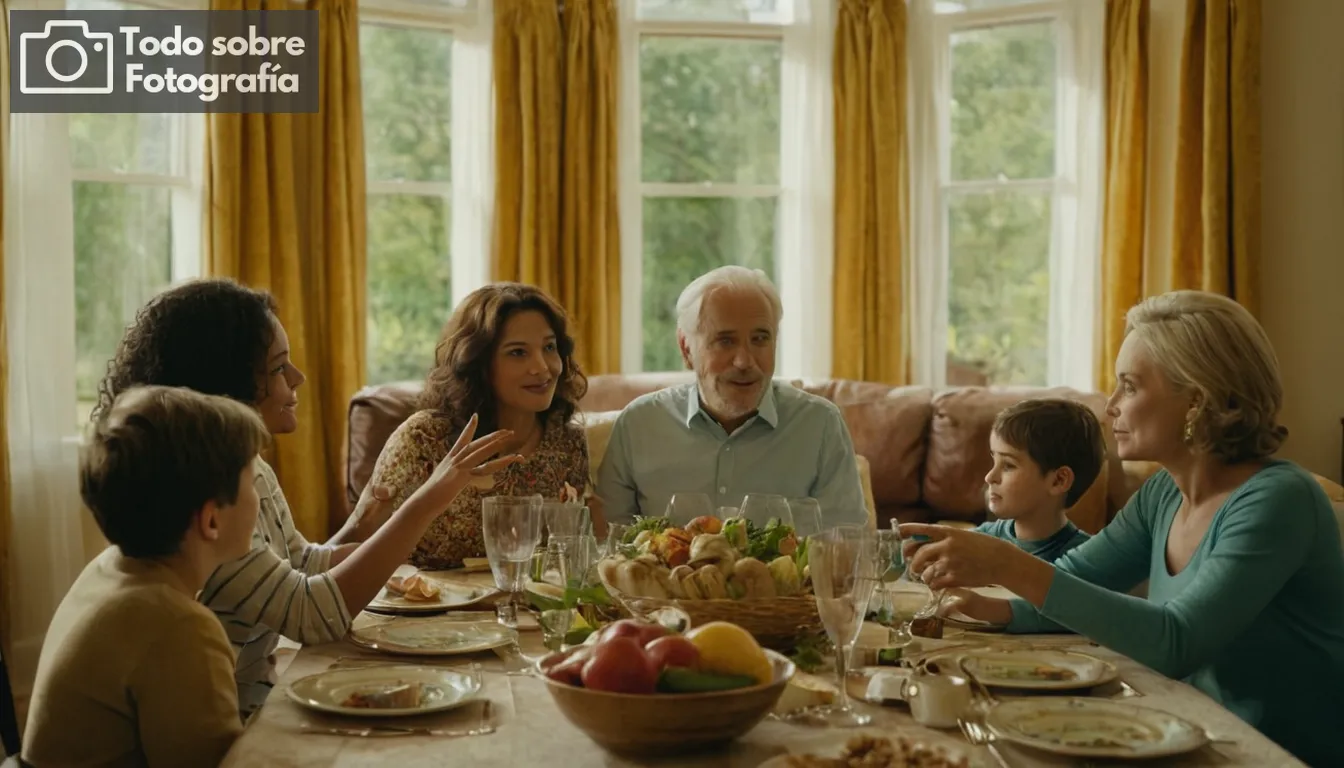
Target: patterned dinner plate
[1037, 670]
[432, 637]
[1094, 728]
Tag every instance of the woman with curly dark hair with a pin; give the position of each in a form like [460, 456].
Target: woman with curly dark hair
[221, 338]
[507, 355]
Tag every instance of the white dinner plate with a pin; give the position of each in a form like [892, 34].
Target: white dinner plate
[329, 691]
[831, 743]
[1094, 728]
[451, 597]
[432, 637]
[1037, 670]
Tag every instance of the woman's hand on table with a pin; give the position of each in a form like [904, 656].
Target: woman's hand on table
[975, 606]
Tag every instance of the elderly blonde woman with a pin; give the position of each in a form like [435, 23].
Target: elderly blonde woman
[1241, 550]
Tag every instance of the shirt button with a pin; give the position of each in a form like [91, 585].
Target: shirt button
[723, 489]
[728, 448]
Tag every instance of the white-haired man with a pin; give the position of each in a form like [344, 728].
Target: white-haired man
[735, 430]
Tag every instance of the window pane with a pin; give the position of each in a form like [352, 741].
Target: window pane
[753, 11]
[407, 102]
[1003, 102]
[960, 6]
[125, 143]
[685, 237]
[409, 284]
[709, 110]
[123, 256]
[999, 284]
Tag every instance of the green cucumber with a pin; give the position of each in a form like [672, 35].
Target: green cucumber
[683, 680]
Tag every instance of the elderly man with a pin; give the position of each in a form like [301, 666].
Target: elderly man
[735, 430]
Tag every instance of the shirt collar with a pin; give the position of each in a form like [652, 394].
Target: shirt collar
[768, 411]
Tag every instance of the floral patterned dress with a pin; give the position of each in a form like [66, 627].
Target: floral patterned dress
[421, 442]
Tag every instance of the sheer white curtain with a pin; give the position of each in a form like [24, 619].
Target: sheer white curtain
[473, 134]
[47, 550]
[807, 190]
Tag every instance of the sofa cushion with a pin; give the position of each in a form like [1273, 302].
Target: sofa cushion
[375, 413]
[958, 449]
[892, 434]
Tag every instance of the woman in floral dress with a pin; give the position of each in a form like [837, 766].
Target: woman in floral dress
[505, 354]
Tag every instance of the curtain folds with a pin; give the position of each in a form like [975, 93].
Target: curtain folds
[556, 198]
[1124, 227]
[871, 191]
[1216, 219]
[285, 197]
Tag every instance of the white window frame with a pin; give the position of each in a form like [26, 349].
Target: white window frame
[1077, 186]
[470, 187]
[805, 217]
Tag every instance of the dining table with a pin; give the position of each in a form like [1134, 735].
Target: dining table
[522, 726]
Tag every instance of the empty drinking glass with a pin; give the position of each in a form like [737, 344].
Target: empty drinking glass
[806, 513]
[565, 518]
[843, 563]
[555, 622]
[511, 527]
[682, 508]
[890, 567]
[760, 508]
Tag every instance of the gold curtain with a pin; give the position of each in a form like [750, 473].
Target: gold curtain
[1216, 219]
[556, 83]
[1124, 223]
[285, 212]
[6, 523]
[871, 188]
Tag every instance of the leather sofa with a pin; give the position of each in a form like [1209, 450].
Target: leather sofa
[927, 450]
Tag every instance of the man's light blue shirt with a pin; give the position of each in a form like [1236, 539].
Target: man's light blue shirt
[796, 445]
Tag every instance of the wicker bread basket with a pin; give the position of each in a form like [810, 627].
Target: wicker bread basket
[775, 622]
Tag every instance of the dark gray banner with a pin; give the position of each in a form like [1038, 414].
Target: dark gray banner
[163, 61]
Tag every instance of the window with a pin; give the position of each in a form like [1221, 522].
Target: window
[136, 200]
[1012, 229]
[411, 54]
[705, 175]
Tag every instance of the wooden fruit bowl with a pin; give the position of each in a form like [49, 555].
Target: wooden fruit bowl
[658, 724]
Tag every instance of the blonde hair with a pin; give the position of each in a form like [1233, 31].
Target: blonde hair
[1211, 346]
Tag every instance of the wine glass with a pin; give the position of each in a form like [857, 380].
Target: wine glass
[844, 573]
[511, 528]
[760, 508]
[806, 514]
[682, 508]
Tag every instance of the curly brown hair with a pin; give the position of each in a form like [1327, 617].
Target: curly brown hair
[209, 335]
[459, 384]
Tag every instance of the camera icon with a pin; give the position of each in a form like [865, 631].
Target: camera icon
[65, 58]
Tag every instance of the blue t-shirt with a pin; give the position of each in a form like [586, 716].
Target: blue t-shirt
[1048, 549]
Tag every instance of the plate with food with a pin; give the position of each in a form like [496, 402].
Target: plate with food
[872, 750]
[1037, 670]
[419, 593]
[432, 637]
[384, 691]
[1094, 728]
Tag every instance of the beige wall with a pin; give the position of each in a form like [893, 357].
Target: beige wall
[1302, 285]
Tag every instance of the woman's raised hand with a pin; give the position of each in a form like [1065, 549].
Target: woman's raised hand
[466, 459]
[949, 557]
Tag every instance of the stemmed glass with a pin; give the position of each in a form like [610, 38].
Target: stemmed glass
[844, 573]
[890, 568]
[806, 514]
[555, 568]
[565, 518]
[511, 527]
[760, 508]
[682, 508]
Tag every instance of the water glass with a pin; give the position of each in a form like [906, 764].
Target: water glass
[682, 508]
[890, 568]
[511, 527]
[760, 508]
[806, 514]
[555, 622]
[844, 573]
[565, 518]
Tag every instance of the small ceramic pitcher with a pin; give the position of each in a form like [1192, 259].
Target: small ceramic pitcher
[936, 700]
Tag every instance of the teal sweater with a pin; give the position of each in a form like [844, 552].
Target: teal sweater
[1255, 620]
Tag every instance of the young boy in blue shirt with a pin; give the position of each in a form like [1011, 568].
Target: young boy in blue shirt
[1046, 453]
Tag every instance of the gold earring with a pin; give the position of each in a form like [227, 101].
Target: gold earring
[1189, 435]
